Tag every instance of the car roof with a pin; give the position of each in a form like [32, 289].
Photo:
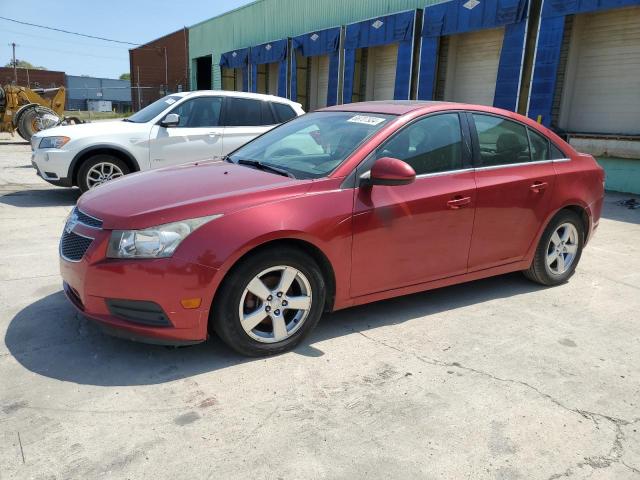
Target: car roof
[393, 107]
[233, 93]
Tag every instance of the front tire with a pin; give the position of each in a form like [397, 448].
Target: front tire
[269, 302]
[559, 250]
[100, 169]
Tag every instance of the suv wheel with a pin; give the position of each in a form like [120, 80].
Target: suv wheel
[100, 169]
[559, 250]
[269, 302]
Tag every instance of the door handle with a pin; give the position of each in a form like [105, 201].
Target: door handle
[458, 202]
[213, 134]
[538, 187]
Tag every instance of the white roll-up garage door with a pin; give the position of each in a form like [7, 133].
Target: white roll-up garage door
[318, 82]
[472, 66]
[381, 72]
[602, 88]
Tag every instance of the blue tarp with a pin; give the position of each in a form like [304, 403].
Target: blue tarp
[397, 28]
[271, 52]
[543, 84]
[324, 42]
[456, 17]
[238, 59]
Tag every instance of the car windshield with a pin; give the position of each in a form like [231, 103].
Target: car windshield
[313, 145]
[152, 111]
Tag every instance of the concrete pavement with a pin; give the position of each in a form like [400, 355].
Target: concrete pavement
[494, 379]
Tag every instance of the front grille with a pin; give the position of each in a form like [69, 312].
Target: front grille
[87, 219]
[73, 246]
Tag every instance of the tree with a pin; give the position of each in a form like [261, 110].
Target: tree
[24, 64]
[125, 76]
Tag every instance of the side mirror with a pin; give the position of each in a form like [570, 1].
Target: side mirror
[171, 120]
[389, 171]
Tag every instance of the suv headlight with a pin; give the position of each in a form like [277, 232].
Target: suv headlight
[154, 242]
[53, 142]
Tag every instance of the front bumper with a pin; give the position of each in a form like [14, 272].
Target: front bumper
[94, 282]
[53, 166]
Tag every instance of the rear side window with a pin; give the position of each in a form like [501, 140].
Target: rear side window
[502, 142]
[247, 112]
[556, 154]
[539, 146]
[283, 112]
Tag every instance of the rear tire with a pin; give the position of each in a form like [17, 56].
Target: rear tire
[558, 251]
[266, 322]
[99, 169]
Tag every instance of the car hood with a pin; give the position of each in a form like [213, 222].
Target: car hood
[82, 130]
[192, 190]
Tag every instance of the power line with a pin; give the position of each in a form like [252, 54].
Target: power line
[67, 31]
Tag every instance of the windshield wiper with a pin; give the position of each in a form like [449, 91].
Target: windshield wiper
[266, 167]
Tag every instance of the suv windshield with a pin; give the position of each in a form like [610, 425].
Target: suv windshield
[313, 145]
[151, 111]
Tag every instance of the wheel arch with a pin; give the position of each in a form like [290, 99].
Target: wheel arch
[576, 206]
[302, 245]
[101, 149]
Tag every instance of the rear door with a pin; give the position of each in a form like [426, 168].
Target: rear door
[244, 119]
[515, 178]
[404, 235]
[198, 136]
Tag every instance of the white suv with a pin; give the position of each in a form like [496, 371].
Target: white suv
[179, 128]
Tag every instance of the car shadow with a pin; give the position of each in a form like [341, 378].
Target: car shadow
[48, 197]
[49, 338]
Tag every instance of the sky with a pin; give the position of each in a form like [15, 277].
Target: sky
[137, 21]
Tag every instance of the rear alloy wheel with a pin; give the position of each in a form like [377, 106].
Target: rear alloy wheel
[559, 250]
[100, 169]
[269, 302]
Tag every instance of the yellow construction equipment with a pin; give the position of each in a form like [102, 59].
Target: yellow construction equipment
[28, 111]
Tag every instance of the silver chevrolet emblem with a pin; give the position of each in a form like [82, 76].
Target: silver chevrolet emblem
[71, 223]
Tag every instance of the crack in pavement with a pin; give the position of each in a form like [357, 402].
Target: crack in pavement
[616, 451]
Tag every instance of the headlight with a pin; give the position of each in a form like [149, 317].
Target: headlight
[154, 242]
[53, 142]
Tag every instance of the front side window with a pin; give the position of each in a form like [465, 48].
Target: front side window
[502, 142]
[199, 112]
[430, 145]
[247, 112]
[313, 145]
[151, 111]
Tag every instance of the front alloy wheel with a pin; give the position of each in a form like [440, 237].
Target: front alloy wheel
[269, 301]
[275, 304]
[100, 169]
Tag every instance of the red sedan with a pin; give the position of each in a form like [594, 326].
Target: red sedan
[341, 207]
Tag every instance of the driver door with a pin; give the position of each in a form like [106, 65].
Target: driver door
[198, 136]
[410, 234]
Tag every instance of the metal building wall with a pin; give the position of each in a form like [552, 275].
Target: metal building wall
[80, 89]
[268, 20]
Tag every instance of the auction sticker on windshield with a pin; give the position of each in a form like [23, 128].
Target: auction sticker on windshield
[170, 101]
[366, 119]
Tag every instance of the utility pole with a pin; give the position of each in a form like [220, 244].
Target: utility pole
[138, 77]
[166, 72]
[15, 64]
